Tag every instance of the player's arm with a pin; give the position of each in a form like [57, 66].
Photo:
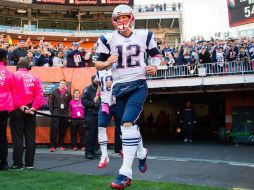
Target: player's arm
[155, 61]
[98, 92]
[105, 61]
[153, 52]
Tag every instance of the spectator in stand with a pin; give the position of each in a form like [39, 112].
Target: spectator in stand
[59, 60]
[30, 57]
[170, 59]
[220, 59]
[192, 65]
[9, 39]
[166, 49]
[251, 53]
[243, 57]
[174, 6]
[37, 54]
[49, 47]
[45, 58]
[139, 8]
[84, 58]
[53, 50]
[91, 58]
[60, 47]
[195, 53]
[178, 57]
[74, 58]
[7, 83]
[232, 51]
[204, 56]
[77, 112]
[20, 51]
[10, 55]
[231, 56]
[28, 98]
[41, 43]
[5, 45]
[179, 6]
[243, 54]
[59, 105]
[164, 6]
[251, 49]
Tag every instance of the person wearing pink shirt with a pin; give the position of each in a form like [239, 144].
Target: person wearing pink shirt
[27, 99]
[6, 105]
[77, 112]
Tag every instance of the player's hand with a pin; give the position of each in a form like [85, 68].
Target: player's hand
[151, 70]
[112, 59]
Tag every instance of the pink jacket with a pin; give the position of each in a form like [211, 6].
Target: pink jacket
[28, 89]
[6, 88]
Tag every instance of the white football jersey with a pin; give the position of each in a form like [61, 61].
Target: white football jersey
[103, 77]
[131, 53]
[220, 57]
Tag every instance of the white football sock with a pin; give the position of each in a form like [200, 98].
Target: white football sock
[103, 141]
[141, 151]
[130, 139]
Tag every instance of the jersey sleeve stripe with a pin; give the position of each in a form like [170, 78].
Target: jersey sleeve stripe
[105, 42]
[153, 52]
[148, 39]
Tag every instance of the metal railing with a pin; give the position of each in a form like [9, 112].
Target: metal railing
[207, 69]
[161, 8]
[5, 28]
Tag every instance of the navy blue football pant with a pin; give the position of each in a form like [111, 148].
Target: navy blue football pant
[131, 104]
[104, 119]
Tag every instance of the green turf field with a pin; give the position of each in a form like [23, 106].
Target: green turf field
[42, 180]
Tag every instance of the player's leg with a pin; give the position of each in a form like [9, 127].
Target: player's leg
[103, 121]
[131, 137]
[118, 134]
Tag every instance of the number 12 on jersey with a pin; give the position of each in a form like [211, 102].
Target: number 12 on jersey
[126, 59]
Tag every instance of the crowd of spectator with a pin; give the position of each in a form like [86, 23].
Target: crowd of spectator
[215, 52]
[47, 54]
[175, 6]
[189, 54]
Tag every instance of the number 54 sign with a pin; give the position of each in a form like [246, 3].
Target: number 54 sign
[240, 12]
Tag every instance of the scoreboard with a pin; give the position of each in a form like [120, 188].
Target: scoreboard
[86, 2]
[240, 12]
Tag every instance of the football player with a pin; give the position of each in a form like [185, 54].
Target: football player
[123, 51]
[105, 114]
